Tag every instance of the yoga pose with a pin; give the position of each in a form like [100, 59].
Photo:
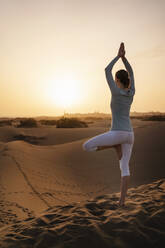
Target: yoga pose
[121, 134]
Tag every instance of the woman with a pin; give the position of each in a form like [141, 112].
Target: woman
[121, 134]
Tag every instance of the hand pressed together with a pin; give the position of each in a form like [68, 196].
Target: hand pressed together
[121, 51]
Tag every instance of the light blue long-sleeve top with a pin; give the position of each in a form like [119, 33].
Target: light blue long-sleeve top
[121, 99]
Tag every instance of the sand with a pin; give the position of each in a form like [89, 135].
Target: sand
[54, 194]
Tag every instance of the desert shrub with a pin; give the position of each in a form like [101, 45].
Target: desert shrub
[89, 122]
[48, 122]
[154, 118]
[5, 123]
[137, 117]
[70, 123]
[29, 122]
[28, 138]
[92, 118]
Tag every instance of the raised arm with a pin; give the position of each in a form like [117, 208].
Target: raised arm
[109, 77]
[130, 71]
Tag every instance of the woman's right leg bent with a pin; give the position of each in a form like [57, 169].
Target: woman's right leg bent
[109, 138]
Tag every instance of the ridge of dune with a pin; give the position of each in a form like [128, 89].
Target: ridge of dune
[51, 135]
[98, 222]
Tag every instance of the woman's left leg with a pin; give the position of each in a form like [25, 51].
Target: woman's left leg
[124, 161]
[124, 167]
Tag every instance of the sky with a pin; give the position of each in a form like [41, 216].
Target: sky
[53, 54]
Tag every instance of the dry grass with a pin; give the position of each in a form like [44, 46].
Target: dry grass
[70, 123]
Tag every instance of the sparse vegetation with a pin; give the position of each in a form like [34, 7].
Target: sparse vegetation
[92, 118]
[75, 120]
[70, 123]
[5, 123]
[149, 117]
[28, 138]
[48, 122]
[154, 118]
[29, 122]
[137, 117]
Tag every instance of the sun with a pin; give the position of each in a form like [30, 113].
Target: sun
[64, 92]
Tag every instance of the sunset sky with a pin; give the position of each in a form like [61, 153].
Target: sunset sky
[53, 54]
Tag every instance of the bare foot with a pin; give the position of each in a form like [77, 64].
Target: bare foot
[121, 203]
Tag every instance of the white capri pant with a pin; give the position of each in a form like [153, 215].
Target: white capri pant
[114, 137]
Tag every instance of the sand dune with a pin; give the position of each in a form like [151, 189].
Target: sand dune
[78, 189]
[52, 136]
[96, 223]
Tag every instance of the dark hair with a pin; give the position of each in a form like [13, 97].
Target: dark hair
[123, 76]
